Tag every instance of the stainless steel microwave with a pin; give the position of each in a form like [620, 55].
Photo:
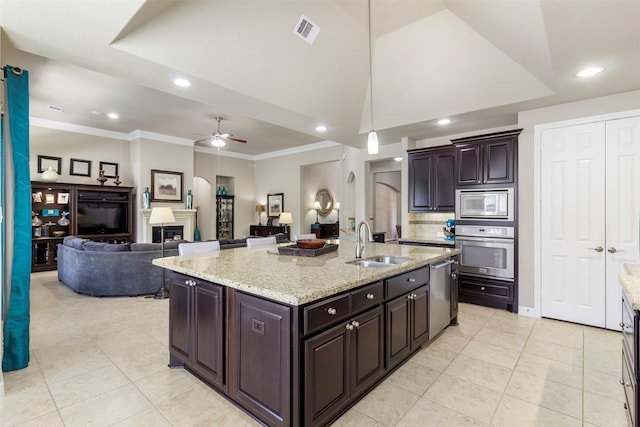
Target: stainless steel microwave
[487, 204]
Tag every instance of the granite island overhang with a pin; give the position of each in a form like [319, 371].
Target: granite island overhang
[299, 280]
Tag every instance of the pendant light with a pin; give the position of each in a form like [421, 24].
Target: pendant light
[372, 140]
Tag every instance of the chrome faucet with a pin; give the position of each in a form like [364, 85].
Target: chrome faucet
[359, 242]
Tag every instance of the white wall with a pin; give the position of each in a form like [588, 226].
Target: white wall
[208, 166]
[314, 178]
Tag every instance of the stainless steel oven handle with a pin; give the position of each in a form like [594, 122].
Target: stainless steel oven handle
[484, 239]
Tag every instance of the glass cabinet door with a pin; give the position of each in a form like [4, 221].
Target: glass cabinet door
[224, 215]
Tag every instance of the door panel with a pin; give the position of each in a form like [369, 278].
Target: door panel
[623, 206]
[572, 191]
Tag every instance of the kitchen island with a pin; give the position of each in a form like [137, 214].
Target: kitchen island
[297, 340]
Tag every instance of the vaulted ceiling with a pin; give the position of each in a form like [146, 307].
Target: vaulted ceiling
[477, 62]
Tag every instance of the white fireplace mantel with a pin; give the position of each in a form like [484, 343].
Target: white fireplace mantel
[184, 217]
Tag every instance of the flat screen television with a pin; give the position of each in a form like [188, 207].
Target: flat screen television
[102, 218]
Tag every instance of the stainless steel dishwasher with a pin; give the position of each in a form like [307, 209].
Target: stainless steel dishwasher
[439, 297]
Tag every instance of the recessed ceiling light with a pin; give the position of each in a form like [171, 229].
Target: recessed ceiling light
[590, 71]
[112, 115]
[443, 122]
[97, 113]
[321, 128]
[397, 159]
[182, 82]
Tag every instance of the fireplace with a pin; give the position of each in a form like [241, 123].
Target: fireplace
[185, 218]
[171, 232]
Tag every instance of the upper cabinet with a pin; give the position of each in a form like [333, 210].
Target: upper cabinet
[431, 180]
[486, 159]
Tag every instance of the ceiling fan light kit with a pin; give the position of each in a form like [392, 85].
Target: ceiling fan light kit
[217, 139]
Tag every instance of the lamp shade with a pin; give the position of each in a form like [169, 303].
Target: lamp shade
[260, 208]
[372, 143]
[336, 205]
[161, 216]
[316, 205]
[286, 218]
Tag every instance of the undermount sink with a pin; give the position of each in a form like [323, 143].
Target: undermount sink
[378, 261]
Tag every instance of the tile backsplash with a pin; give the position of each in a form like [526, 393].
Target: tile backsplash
[427, 225]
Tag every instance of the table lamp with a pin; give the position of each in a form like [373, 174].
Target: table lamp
[317, 207]
[161, 216]
[260, 209]
[286, 219]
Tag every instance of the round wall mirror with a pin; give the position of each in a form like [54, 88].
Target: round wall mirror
[325, 199]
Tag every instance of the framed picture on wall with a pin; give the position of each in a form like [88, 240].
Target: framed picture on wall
[46, 162]
[80, 167]
[110, 169]
[275, 204]
[166, 186]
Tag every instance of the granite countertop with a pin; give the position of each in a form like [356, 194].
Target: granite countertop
[631, 284]
[430, 241]
[298, 280]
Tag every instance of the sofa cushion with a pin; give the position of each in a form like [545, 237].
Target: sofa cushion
[105, 247]
[135, 247]
[74, 241]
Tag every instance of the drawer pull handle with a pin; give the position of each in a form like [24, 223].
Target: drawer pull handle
[331, 311]
[411, 279]
[370, 296]
[355, 324]
[482, 288]
[349, 327]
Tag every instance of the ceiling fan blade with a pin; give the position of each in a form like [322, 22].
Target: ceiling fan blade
[203, 140]
[236, 140]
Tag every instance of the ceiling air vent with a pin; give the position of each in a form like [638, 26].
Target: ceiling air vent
[306, 29]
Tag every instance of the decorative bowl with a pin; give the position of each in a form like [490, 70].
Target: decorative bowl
[310, 243]
[59, 233]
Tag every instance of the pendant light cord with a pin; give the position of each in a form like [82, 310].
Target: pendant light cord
[370, 66]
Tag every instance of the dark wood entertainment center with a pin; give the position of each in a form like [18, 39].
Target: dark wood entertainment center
[50, 200]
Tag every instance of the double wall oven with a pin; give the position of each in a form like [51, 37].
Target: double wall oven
[485, 231]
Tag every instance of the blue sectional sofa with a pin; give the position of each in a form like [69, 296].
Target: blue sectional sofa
[106, 269]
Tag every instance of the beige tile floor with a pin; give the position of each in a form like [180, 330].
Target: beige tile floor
[103, 361]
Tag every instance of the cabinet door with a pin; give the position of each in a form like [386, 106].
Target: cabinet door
[260, 358]
[398, 330]
[326, 374]
[367, 355]
[443, 193]
[420, 182]
[208, 348]
[469, 164]
[180, 319]
[498, 161]
[419, 316]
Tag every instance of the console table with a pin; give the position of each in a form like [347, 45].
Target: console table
[326, 231]
[267, 230]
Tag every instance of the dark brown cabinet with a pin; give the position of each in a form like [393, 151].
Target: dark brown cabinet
[267, 230]
[431, 180]
[260, 357]
[48, 202]
[326, 231]
[486, 159]
[407, 324]
[485, 291]
[630, 345]
[341, 363]
[196, 338]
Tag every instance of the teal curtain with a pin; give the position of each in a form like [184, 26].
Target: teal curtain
[16, 332]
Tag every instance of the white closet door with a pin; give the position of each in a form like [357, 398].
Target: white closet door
[622, 207]
[572, 223]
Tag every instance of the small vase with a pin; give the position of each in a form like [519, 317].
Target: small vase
[36, 222]
[146, 198]
[64, 221]
[49, 175]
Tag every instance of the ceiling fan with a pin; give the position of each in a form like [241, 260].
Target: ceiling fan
[218, 139]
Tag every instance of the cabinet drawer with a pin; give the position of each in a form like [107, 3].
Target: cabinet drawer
[629, 384]
[367, 297]
[628, 328]
[406, 282]
[325, 313]
[492, 290]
